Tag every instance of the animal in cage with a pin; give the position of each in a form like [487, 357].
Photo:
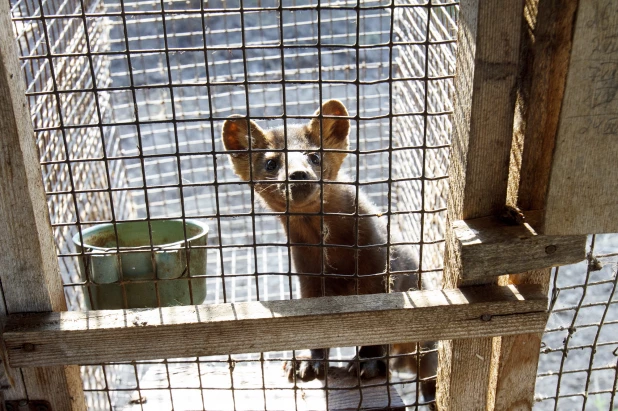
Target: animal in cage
[340, 244]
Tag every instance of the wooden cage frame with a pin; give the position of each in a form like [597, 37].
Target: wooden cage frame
[521, 89]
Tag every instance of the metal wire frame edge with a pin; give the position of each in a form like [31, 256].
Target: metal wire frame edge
[240, 9]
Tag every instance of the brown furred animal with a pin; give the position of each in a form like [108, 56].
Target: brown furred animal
[324, 215]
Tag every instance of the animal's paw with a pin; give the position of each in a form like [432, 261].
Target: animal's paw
[367, 368]
[305, 369]
[370, 362]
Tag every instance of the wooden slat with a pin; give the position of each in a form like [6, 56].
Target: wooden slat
[100, 336]
[581, 197]
[484, 100]
[12, 381]
[546, 49]
[489, 247]
[30, 276]
[468, 359]
[519, 355]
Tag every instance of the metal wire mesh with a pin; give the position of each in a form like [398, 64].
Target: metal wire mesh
[128, 99]
[578, 366]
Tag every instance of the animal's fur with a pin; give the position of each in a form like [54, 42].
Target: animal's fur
[322, 211]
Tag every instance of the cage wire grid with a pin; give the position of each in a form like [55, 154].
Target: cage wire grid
[578, 365]
[128, 99]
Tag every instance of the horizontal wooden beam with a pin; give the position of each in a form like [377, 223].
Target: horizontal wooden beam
[488, 247]
[140, 334]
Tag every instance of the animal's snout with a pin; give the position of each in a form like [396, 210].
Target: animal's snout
[299, 175]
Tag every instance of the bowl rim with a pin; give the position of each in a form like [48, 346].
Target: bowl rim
[76, 238]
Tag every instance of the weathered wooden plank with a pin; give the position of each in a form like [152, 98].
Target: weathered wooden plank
[467, 362]
[489, 247]
[12, 381]
[171, 332]
[581, 197]
[519, 355]
[30, 275]
[546, 50]
[484, 100]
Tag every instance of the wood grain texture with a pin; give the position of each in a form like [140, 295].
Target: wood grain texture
[519, 358]
[484, 101]
[100, 336]
[581, 197]
[489, 247]
[469, 364]
[27, 243]
[30, 275]
[546, 51]
[519, 355]
[12, 380]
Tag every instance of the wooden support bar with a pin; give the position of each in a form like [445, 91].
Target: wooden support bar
[100, 336]
[581, 197]
[546, 49]
[546, 52]
[518, 356]
[489, 247]
[30, 275]
[484, 101]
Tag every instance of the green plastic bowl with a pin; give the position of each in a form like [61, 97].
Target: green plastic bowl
[134, 270]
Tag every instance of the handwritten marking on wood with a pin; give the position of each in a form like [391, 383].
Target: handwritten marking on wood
[584, 177]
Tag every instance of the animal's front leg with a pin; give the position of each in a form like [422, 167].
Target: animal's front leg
[370, 361]
[308, 368]
[314, 366]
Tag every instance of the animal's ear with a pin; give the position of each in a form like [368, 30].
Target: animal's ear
[235, 134]
[334, 130]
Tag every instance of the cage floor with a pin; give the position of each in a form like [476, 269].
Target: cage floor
[255, 387]
[247, 381]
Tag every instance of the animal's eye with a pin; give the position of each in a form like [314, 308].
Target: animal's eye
[271, 165]
[315, 158]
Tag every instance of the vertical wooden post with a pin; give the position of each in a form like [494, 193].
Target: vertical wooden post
[546, 50]
[583, 180]
[485, 85]
[30, 274]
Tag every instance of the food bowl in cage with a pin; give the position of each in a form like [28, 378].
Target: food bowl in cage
[117, 268]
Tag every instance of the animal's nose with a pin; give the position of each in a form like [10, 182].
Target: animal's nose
[299, 175]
